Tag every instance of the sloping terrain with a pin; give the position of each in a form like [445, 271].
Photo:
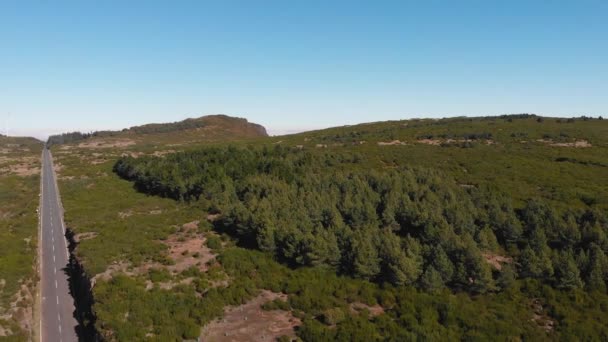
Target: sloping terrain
[19, 189]
[187, 132]
[437, 229]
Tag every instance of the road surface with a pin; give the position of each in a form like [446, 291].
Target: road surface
[57, 322]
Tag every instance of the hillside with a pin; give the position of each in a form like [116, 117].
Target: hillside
[19, 189]
[463, 228]
[190, 131]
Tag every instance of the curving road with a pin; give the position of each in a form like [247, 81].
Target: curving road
[57, 322]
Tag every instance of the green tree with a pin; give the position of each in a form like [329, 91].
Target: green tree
[401, 264]
[567, 274]
[363, 255]
[431, 280]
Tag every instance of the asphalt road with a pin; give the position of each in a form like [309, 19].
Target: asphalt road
[57, 313]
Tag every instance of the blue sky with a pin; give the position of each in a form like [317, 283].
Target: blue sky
[294, 65]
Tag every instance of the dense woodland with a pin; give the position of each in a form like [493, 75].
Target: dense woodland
[405, 226]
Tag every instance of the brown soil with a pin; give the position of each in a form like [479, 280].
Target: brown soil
[119, 267]
[213, 217]
[188, 248]
[576, 144]
[22, 169]
[374, 311]
[185, 248]
[125, 214]
[541, 318]
[20, 310]
[84, 236]
[433, 142]
[162, 153]
[391, 143]
[107, 143]
[248, 322]
[132, 154]
[495, 260]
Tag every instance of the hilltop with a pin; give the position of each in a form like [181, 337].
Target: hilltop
[190, 131]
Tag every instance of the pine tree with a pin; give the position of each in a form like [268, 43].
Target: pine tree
[401, 264]
[567, 274]
[442, 264]
[431, 280]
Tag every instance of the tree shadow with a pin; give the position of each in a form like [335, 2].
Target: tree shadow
[80, 290]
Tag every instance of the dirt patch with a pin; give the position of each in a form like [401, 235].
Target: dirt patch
[107, 143]
[162, 153]
[374, 311]
[391, 143]
[20, 310]
[125, 214]
[132, 154]
[496, 260]
[21, 169]
[57, 167]
[84, 236]
[5, 332]
[434, 142]
[188, 248]
[117, 267]
[213, 217]
[248, 322]
[540, 317]
[576, 144]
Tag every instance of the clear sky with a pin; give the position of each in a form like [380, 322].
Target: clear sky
[293, 65]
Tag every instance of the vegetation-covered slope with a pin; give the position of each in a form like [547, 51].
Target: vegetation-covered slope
[189, 131]
[19, 188]
[448, 229]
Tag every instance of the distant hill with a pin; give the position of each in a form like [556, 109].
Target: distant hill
[25, 142]
[206, 128]
[237, 125]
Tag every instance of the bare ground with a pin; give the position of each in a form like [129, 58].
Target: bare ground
[186, 248]
[434, 142]
[20, 310]
[576, 144]
[374, 311]
[248, 322]
[107, 143]
[495, 260]
[391, 143]
[540, 317]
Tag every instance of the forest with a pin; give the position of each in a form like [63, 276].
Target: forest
[410, 226]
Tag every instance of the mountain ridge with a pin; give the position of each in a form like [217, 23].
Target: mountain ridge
[211, 127]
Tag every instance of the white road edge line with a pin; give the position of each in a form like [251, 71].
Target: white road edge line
[41, 205]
